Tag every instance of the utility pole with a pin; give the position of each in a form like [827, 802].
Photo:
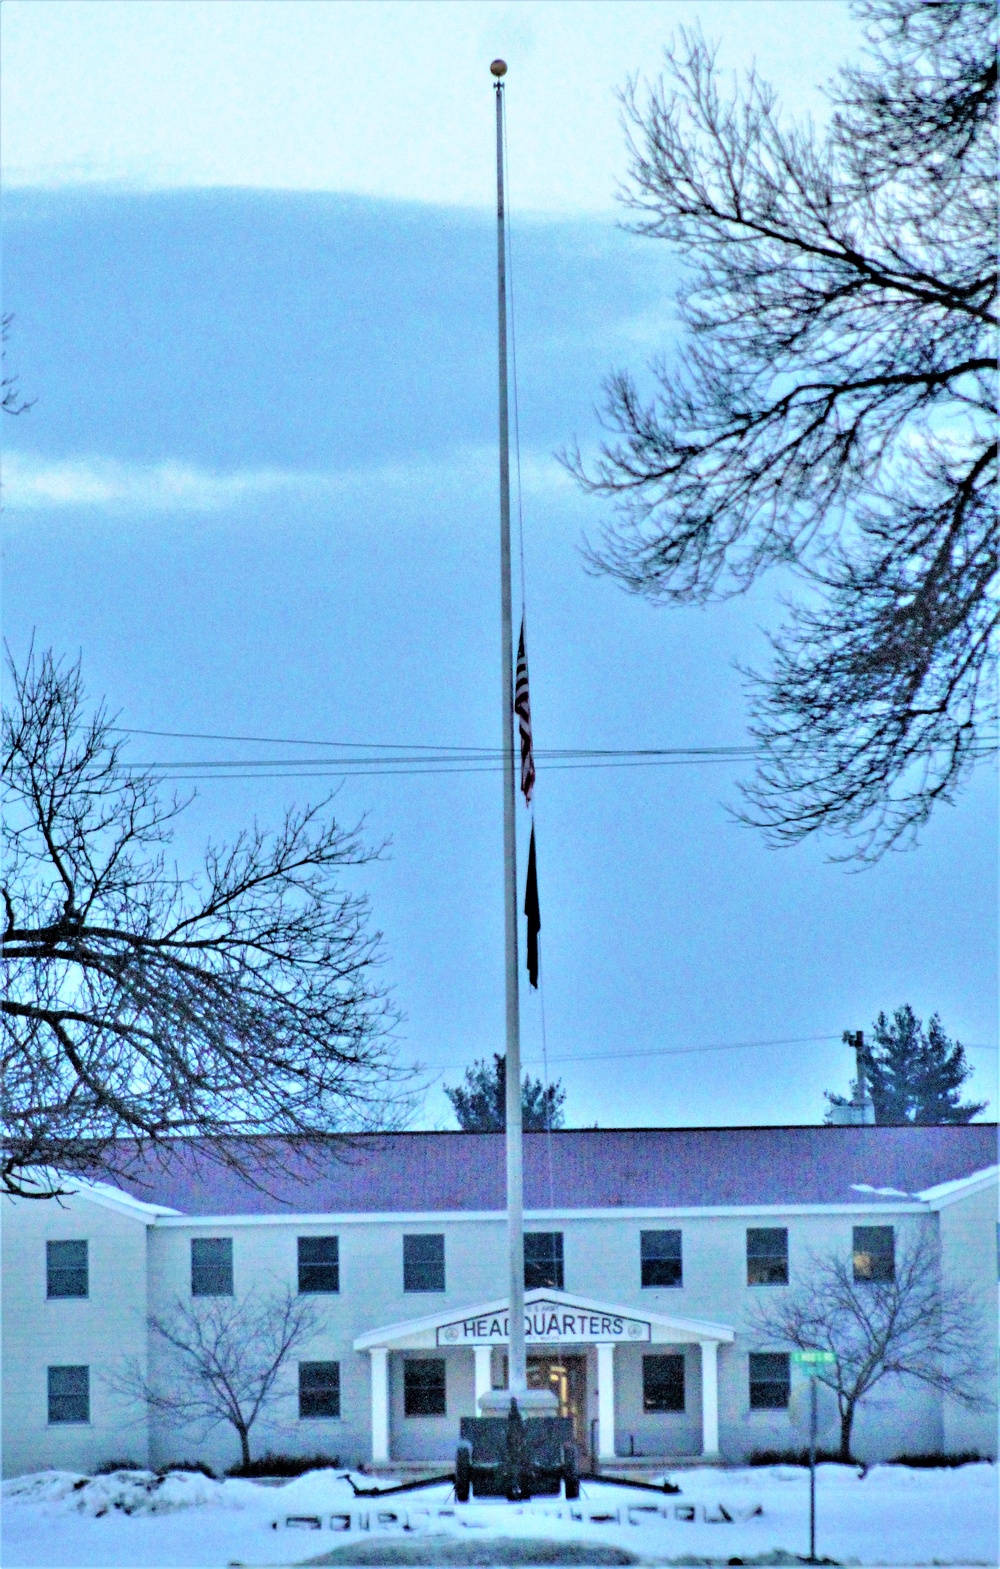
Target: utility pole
[862, 1099]
[860, 1110]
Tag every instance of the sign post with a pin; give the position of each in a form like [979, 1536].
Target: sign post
[811, 1360]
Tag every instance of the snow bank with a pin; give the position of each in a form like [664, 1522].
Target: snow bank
[43, 1487]
[128, 1492]
[319, 1490]
[134, 1520]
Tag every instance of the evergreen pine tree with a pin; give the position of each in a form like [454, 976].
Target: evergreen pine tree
[913, 1076]
[480, 1104]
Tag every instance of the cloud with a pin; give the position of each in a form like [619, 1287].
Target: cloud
[32, 483]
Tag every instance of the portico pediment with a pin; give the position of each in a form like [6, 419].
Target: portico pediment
[551, 1318]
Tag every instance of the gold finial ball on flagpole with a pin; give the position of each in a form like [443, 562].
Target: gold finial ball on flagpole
[498, 67]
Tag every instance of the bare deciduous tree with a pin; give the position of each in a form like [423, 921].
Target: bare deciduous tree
[911, 1326]
[144, 1005]
[830, 409]
[224, 1360]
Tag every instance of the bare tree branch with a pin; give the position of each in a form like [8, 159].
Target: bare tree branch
[912, 1326]
[143, 1004]
[11, 401]
[224, 1360]
[830, 409]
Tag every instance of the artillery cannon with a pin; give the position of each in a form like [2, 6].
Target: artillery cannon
[511, 1457]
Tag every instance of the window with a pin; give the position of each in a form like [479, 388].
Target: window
[663, 1383]
[660, 1252]
[543, 1259]
[423, 1263]
[767, 1256]
[319, 1389]
[319, 1265]
[211, 1266]
[69, 1394]
[770, 1380]
[66, 1269]
[423, 1386]
[874, 1253]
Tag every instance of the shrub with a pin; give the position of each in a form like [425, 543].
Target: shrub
[187, 1465]
[791, 1457]
[106, 1467]
[971, 1457]
[284, 1465]
[801, 1457]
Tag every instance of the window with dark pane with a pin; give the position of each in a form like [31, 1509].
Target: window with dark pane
[211, 1266]
[543, 1259]
[69, 1394]
[319, 1264]
[663, 1383]
[767, 1256]
[66, 1269]
[319, 1389]
[423, 1263]
[770, 1380]
[660, 1255]
[423, 1386]
[874, 1253]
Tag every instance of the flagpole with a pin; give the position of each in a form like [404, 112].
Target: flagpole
[517, 1353]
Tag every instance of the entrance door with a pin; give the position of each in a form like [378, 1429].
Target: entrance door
[567, 1376]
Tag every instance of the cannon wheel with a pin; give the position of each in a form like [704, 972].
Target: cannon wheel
[463, 1473]
[571, 1471]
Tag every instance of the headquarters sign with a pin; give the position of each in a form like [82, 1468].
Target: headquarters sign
[549, 1322]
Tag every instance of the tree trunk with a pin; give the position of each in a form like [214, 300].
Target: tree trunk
[244, 1445]
[846, 1423]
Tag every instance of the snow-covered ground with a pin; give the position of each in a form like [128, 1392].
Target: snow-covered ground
[893, 1515]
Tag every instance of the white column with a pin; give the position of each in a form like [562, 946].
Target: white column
[380, 1403]
[710, 1397]
[606, 1402]
[484, 1375]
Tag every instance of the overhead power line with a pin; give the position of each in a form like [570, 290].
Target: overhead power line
[410, 759]
[391, 768]
[685, 1051]
[384, 759]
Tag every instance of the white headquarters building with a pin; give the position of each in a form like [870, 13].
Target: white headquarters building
[645, 1252]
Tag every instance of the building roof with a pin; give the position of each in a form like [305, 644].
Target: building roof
[574, 1169]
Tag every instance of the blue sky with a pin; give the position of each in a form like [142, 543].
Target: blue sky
[258, 492]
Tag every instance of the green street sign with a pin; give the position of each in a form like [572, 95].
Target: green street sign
[812, 1358]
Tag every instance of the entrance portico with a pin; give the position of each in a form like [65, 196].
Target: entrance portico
[554, 1321]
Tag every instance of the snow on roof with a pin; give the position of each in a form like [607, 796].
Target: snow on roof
[627, 1168]
[104, 1193]
[948, 1192]
[891, 1193]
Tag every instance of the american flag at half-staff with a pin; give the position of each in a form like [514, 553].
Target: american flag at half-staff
[522, 708]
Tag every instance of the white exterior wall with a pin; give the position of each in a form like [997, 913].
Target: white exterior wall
[674, 1432]
[96, 1331]
[969, 1249]
[430, 1437]
[602, 1261]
